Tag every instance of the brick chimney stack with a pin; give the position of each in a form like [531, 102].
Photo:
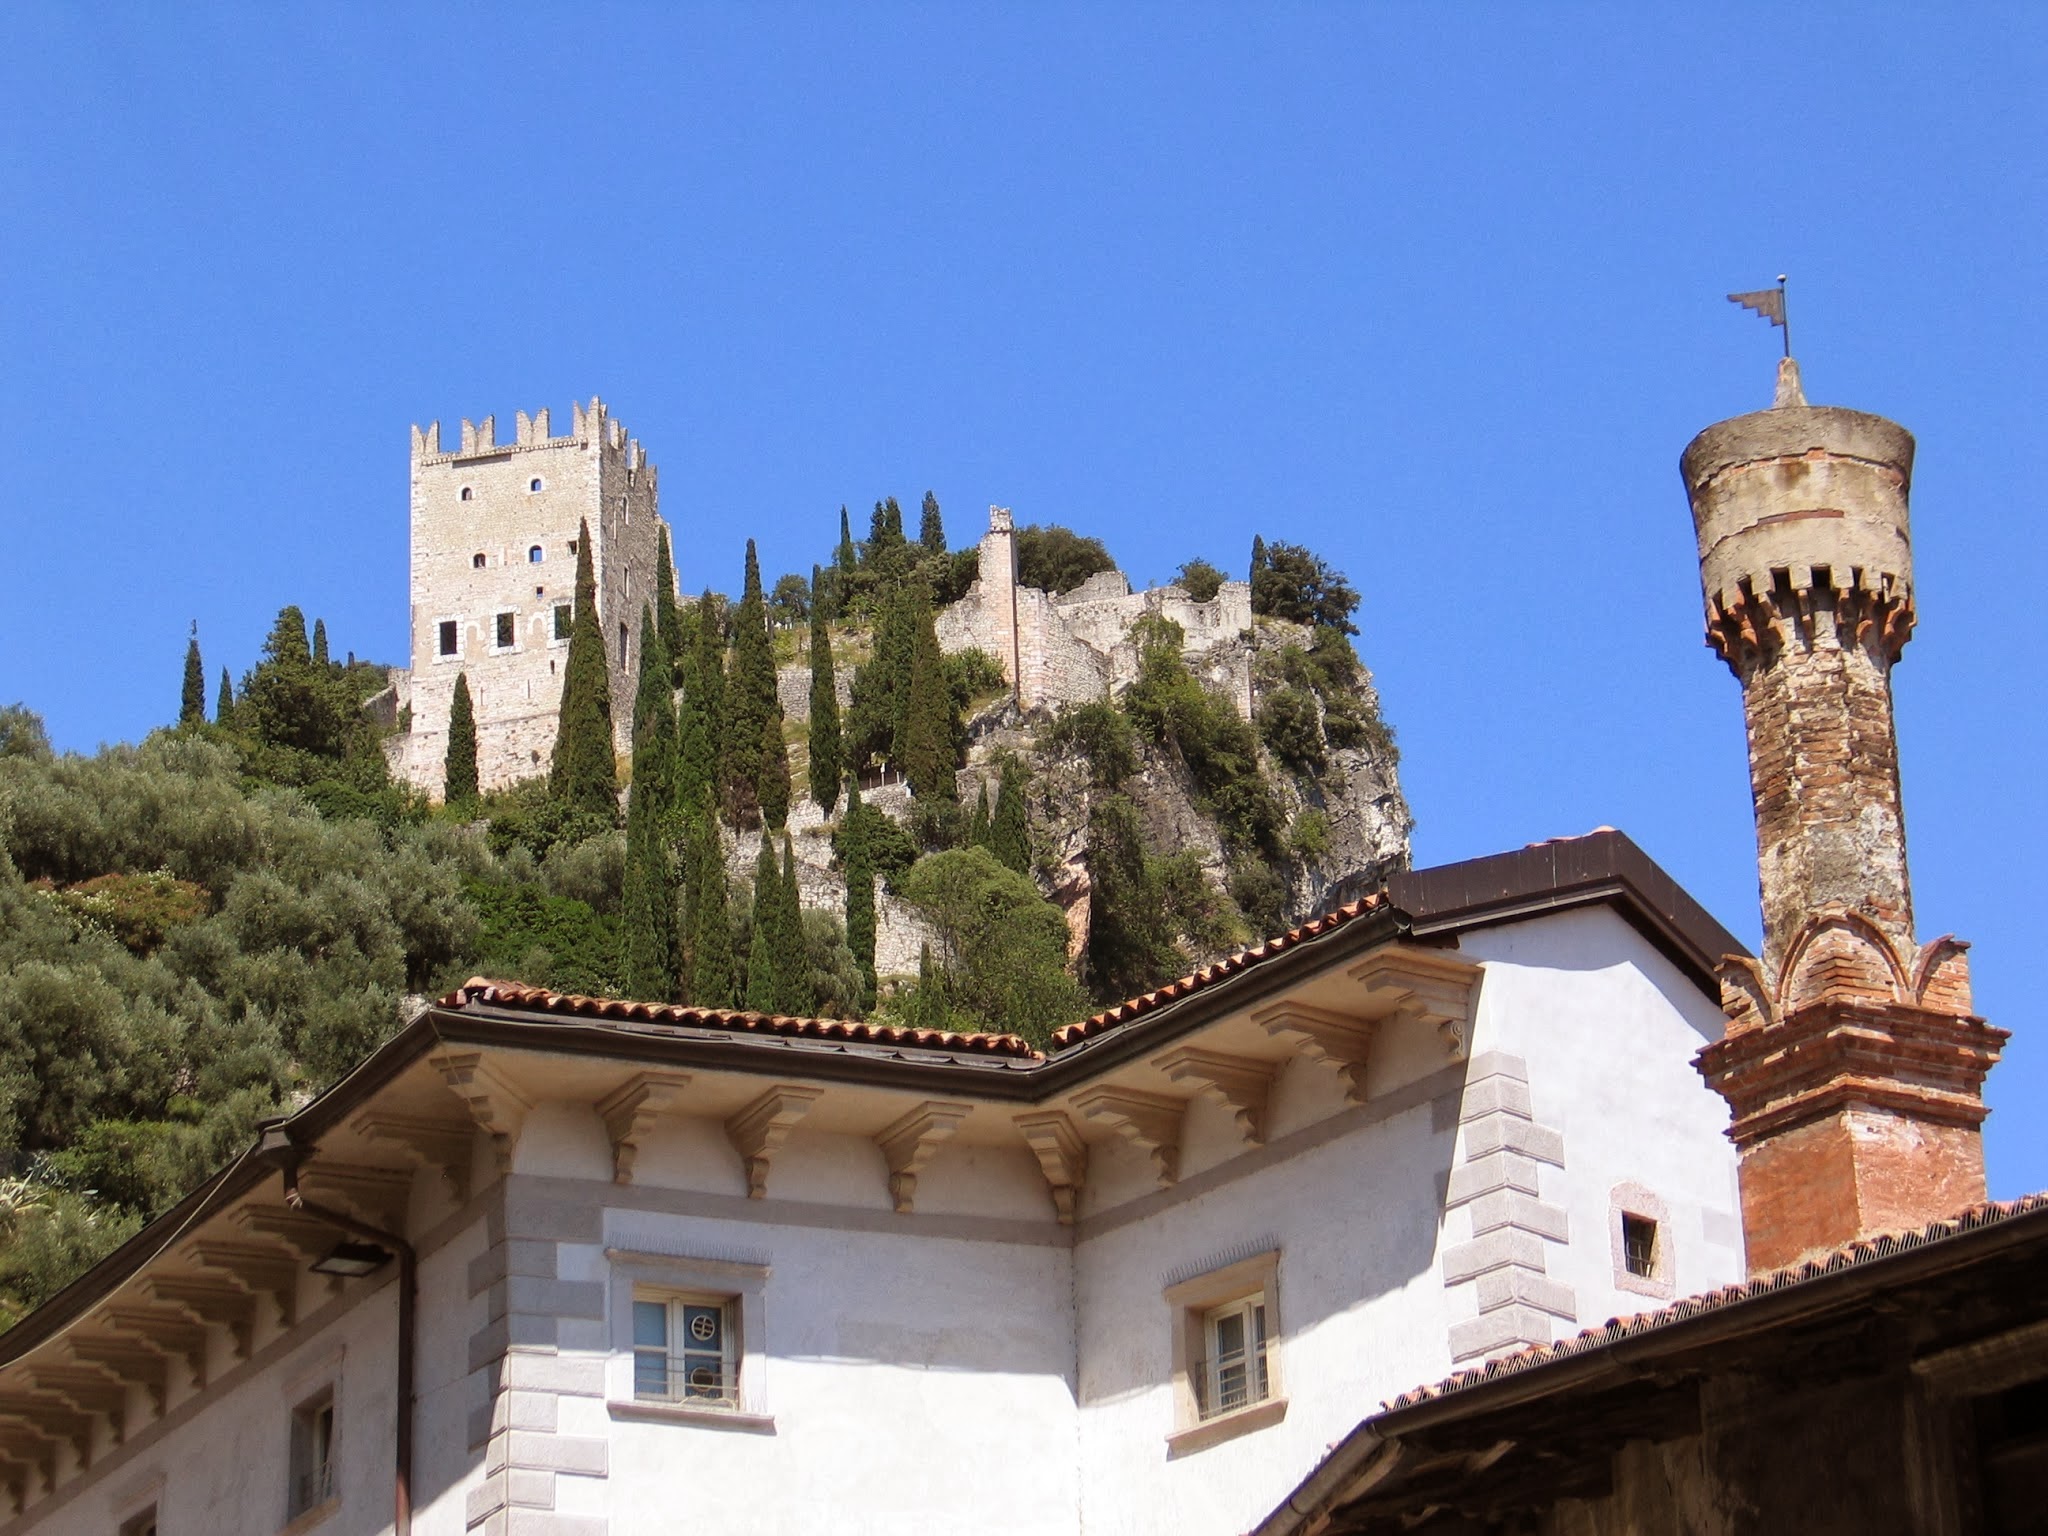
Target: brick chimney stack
[1852, 1062]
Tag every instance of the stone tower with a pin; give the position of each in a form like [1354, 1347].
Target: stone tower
[1852, 1062]
[494, 531]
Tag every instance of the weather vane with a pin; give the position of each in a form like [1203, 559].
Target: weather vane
[1770, 303]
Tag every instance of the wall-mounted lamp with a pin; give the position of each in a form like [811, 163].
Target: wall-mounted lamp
[351, 1258]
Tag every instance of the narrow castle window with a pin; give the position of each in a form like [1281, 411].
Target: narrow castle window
[533, 484]
[476, 562]
[450, 639]
[572, 546]
[465, 493]
[1639, 1244]
[622, 645]
[535, 555]
[540, 591]
[508, 630]
[312, 1453]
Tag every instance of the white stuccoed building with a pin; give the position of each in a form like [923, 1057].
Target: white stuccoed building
[678, 1270]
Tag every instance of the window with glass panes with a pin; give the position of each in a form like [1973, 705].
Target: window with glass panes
[1232, 1373]
[685, 1349]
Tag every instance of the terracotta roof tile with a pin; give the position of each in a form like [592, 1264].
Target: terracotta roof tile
[1863, 1251]
[1230, 965]
[512, 994]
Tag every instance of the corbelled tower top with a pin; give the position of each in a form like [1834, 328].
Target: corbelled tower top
[1852, 1062]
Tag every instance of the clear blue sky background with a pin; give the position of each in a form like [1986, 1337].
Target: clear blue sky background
[1434, 290]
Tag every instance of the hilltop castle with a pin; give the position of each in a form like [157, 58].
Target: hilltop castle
[494, 534]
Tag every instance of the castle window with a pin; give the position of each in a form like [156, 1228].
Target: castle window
[508, 631]
[1226, 1329]
[540, 591]
[533, 484]
[476, 562]
[565, 621]
[622, 645]
[1639, 1234]
[535, 555]
[1639, 1245]
[465, 493]
[451, 638]
[572, 546]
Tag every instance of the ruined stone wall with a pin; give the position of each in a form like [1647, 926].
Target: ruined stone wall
[494, 527]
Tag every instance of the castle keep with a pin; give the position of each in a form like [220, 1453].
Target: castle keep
[494, 534]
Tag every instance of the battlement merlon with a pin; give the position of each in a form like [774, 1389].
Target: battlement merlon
[592, 424]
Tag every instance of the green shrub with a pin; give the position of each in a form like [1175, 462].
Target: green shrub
[1293, 731]
[1100, 732]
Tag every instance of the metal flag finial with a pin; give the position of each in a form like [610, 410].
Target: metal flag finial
[1770, 303]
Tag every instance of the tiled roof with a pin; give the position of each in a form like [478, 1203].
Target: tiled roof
[1209, 975]
[1864, 1250]
[479, 990]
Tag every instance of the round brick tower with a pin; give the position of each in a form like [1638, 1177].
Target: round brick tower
[1852, 1062]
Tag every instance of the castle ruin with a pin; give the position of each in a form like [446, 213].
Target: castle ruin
[494, 534]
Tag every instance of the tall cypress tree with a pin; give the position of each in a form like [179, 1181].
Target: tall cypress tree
[929, 726]
[931, 529]
[584, 774]
[772, 788]
[749, 700]
[825, 746]
[712, 970]
[881, 686]
[845, 559]
[765, 951]
[860, 894]
[799, 998]
[319, 642]
[702, 723]
[668, 614]
[978, 823]
[192, 703]
[459, 782]
[1009, 831]
[224, 701]
[648, 902]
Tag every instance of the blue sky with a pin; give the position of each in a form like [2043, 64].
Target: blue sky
[1435, 290]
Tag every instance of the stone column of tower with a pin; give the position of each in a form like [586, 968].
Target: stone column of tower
[1852, 1062]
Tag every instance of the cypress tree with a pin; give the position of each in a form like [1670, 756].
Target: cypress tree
[931, 529]
[978, 823]
[712, 967]
[765, 951]
[224, 701]
[702, 723]
[319, 642]
[799, 998]
[584, 774]
[1130, 935]
[192, 703]
[927, 1007]
[825, 746]
[668, 614]
[749, 700]
[860, 895]
[1009, 832]
[929, 726]
[892, 518]
[285, 646]
[459, 784]
[882, 685]
[648, 902]
[846, 558]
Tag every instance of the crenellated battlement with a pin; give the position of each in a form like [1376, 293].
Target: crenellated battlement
[591, 425]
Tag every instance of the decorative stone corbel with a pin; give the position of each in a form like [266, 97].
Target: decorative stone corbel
[1425, 985]
[257, 1266]
[1062, 1157]
[758, 1131]
[1241, 1084]
[633, 1111]
[130, 1361]
[909, 1142]
[378, 1195]
[88, 1391]
[36, 1416]
[1152, 1120]
[440, 1144]
[166, 1331]
[492, 1102]
[1335, 1039]
[210, 1301]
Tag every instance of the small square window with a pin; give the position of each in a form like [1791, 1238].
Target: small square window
[535, 555]
[508, 630]
[1232, 1374]
[565, 621]
[1226, 1371]
[476, 562]
[533, 484]
[451, 642]
[312, 1459]
[685, 1350]
[1639, 1244]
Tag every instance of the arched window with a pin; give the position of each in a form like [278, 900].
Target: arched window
[465, 493]
[534, 483]
[534, 555]
[476, 562]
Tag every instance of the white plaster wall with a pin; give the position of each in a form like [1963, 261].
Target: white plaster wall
[1609, 1028]
[1360, 1306]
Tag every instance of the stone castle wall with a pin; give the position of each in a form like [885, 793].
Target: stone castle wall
[494, 530]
